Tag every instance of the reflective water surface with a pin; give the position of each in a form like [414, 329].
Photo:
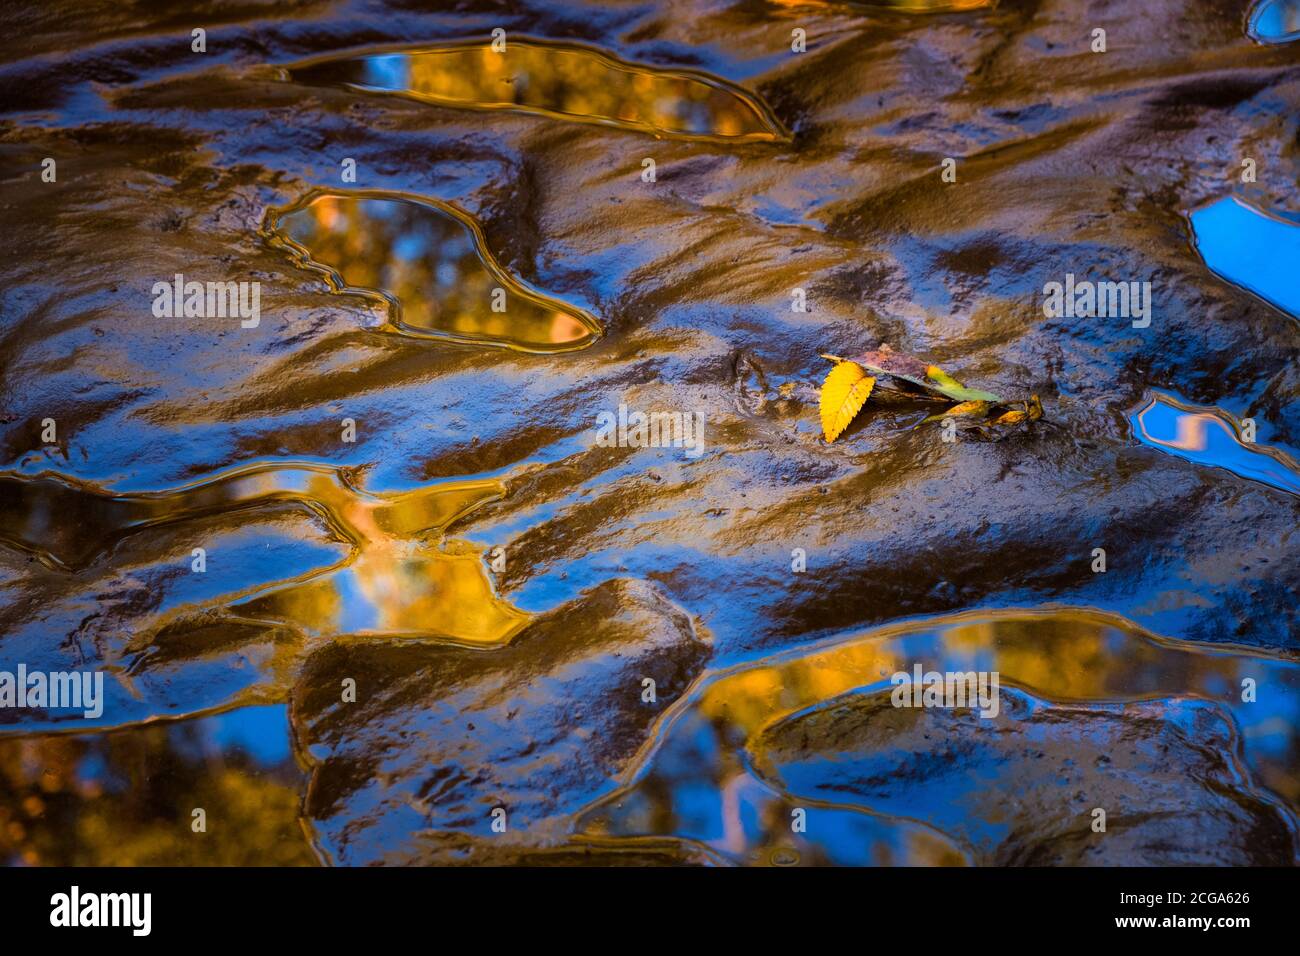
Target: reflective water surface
[127, 798]
[566, 81]
[429, 265]
[364, 577]
[1275, 21]
[816, 727]
[1209, 437]
[1251, 248]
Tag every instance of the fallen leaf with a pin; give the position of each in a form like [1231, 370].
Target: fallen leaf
[976, 409]
[845, 390]
[1031, 412]
[946, 385]
[848, 385]
[886, 361]
[1011, 418]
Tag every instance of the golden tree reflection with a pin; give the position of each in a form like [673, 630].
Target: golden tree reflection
[126, 799]
[399, 580]
[429, 263]
[560, 80]
[697, 780]
[395, 584]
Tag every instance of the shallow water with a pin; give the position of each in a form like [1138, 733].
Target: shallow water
[763, 737]
[430, 590]
[563, 81]
[1209, 437]
[429, 266]
[128, 798]
[1251, 248]
[1275, 21]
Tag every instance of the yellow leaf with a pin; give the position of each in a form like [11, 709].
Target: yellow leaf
[1032, 412]
[968, 409]
[845, 389]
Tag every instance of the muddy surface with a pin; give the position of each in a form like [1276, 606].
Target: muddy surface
[397, 480]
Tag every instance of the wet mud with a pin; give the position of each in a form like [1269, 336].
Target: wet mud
[430, 590]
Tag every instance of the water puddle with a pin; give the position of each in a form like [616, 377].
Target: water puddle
[1252, 249]
[124, 798]
[1275, 21]
[429, 263]
[742, 750]
[560, 80]
[400, 579]
[1208, 436]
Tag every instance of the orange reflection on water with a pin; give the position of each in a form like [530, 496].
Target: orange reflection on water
[429, 263]
[399, 580]
[565, 81]
[124, 799]
[396, 584]
[1060, 655]
[708, 759]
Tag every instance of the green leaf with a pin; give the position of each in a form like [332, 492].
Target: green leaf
[945, 384]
